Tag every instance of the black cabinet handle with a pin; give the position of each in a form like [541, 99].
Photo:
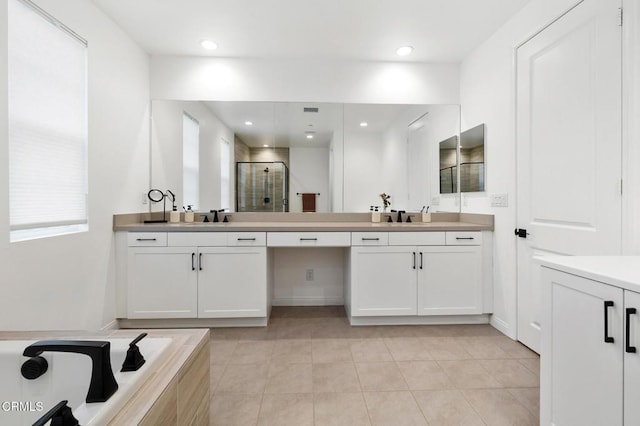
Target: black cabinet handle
[420, 260]
[193, 258]
[607, 304]
[414, 260]
[464, 238]
[200, 261]
[146, 239]
[370, 239]
[308, 239]
[246, 239]
[627, 347]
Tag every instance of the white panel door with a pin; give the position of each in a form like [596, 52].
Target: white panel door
[632, 358]
[232, 282]
[568, 146]
[383, 281]
[162, 282]
[450, 280]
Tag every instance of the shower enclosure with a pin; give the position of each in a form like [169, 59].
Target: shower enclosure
[262, 186]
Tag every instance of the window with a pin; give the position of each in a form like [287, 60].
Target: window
[225, 174]
[47, 103]
[190, 160]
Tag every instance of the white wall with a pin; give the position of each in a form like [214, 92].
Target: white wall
[166, 151]
[309, 172]
[303, 80]
[67, 282]
[487, 83]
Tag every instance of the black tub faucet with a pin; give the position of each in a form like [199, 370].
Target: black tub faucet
[103, 384]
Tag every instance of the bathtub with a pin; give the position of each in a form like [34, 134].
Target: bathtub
[23, 401]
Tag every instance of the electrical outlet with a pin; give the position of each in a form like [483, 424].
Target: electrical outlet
[144, 198]
[499, 200]
[309, 274]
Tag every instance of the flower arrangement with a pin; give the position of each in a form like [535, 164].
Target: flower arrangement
[385, 200]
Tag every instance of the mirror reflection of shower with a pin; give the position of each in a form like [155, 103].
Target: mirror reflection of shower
[262, 186]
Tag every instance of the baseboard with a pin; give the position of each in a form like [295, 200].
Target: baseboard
[421, 320]
[193, 322]
[113, 325]
[502, 327]
[308, 301]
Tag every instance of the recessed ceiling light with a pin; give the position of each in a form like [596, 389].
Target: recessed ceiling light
[364, 124]
[309, 136]
[265, 145]
[208, 44]
[404, 50]
[248, 123]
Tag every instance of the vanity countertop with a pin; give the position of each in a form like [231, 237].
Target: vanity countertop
[619, 271]
[302, 227]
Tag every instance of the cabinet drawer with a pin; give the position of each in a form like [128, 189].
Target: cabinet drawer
[147, 239]
[308, 239]
[202, 239]
[246, 239]
[464, 238]
[416, 238]
[369, 238]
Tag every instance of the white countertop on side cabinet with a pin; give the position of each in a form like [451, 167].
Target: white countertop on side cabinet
[619, 271]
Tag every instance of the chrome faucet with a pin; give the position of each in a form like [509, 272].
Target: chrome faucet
[103, 384]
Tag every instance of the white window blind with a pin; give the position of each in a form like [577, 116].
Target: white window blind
[47, 102]
[225, 174]
[190, 160]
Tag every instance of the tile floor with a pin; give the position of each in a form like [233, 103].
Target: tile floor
[309, 367]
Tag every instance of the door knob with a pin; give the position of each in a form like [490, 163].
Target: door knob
[520, 232]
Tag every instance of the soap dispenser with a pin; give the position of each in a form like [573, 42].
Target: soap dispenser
[189, 214]
[174, 216]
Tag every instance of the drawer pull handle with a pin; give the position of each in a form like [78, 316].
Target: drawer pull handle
[607, 304]
[246, 239]
[146, 239]
[308, 239]
[414, 260]
[464, 238]
[200, 261]
[371, 239]
[628, 348]
[420, 260]
[193, 258]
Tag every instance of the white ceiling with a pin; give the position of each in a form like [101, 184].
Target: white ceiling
[440, 30]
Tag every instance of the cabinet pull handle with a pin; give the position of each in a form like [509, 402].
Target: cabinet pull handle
[414, 260]
[420, 260]
[246, 239]
[308, 239]
[193, 258]
[370, 239]
[146, 239]
[607, 304]
[464, 238]
[627, 347]
[200, 261]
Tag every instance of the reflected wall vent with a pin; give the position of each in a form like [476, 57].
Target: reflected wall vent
[311, 109]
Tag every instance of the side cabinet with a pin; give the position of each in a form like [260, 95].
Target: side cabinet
[232, 282]
[383, 281]
[582, 370]
[162, 282]
[450, 280]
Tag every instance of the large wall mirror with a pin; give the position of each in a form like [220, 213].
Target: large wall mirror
[269, 156]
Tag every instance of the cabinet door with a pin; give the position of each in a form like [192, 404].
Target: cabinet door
[632, 359]
[581, 374]
[232, 282]
[449, 280]
[383, 281]
[162, 283]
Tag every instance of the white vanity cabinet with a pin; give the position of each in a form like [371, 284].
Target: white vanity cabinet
[590, 349]
[417, 274]
[197, 275]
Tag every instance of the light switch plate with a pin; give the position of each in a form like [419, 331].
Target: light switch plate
[499, 200]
